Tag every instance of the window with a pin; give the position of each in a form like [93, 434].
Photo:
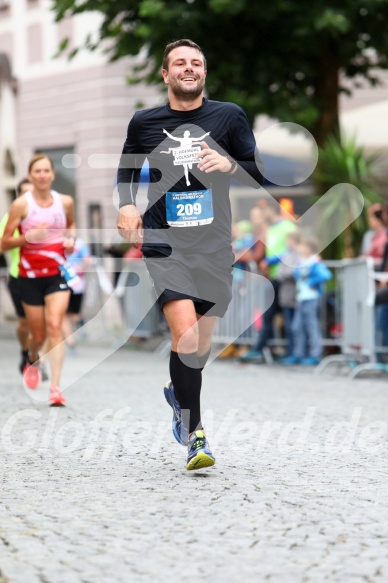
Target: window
[5, 8]
[9, 165]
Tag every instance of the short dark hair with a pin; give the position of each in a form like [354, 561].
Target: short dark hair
[20, 184]
[183, 42]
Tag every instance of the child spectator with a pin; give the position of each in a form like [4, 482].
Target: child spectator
[287, 288]
[310, 276]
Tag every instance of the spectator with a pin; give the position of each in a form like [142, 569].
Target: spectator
[378, 238]
[366, 240]
[256, 253]
[79, 261]
[310, 276]
[378, 249]
[287, 288]
[275, 243]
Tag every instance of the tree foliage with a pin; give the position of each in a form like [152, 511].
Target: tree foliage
[347, 163]
[283, 58]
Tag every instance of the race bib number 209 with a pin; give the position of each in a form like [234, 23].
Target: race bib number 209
[189, 209]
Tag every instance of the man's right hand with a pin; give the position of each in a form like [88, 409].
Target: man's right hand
[130, 224]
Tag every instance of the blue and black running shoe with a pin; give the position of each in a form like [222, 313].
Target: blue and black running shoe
[199, 454]
[178, 428]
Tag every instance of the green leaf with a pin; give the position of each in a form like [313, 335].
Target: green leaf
[151, 8]
[332, 21]
[346, 163]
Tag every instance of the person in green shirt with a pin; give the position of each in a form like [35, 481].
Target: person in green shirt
[276, 247]
[14, 255]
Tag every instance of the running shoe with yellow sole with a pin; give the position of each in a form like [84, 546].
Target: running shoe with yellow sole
[199, 454]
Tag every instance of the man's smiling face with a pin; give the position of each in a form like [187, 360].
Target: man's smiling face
[185, 76]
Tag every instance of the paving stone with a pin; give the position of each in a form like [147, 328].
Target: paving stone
[98, 491]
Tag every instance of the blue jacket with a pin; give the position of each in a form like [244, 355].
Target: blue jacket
[314, 275]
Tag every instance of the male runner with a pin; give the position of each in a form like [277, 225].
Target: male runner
[187, 224]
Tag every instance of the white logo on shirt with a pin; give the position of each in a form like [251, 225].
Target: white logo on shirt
[186, 154]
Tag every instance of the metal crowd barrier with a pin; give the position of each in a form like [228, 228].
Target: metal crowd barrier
[252, 294]
[98, 309]
[141, 314]
[251, 297]
[94, 296]
[347, 316]
[137, 296]
[347, 309]
[357, 338]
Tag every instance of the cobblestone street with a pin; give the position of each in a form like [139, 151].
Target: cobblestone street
[98, 491]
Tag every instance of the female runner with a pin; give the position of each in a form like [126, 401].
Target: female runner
[46, 223]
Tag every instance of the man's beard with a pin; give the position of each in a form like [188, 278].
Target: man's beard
[187, 93]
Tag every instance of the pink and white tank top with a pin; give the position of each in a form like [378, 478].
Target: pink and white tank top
[42, 259]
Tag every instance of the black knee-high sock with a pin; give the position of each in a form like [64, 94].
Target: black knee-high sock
[187, 381]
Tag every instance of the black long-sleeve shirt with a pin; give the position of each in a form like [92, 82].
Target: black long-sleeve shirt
[225, 128]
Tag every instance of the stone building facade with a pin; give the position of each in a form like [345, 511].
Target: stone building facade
[70, 109]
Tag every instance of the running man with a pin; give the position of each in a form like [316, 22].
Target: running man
[44, 219]
[191, 266]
